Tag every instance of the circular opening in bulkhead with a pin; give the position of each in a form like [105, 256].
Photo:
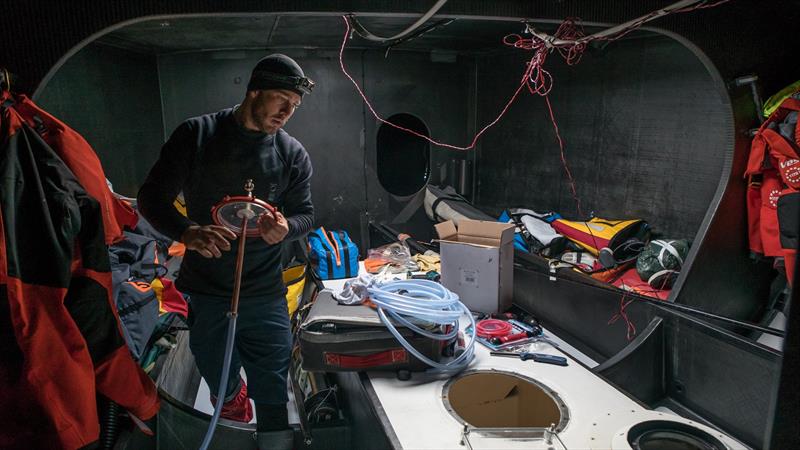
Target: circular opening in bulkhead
[667, 435]
[503, 400]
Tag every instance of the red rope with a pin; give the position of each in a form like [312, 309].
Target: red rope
[631, 328]
[536, 78]
[571, 180]
[415, 133]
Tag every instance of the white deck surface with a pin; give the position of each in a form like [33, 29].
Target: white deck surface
[598, 413]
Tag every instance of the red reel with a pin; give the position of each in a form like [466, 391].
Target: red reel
[232, 211]
[490, 328]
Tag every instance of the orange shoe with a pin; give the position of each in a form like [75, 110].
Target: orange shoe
[238, 408]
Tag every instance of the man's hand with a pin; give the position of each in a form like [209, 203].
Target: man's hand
[273, 227]
[208, 240]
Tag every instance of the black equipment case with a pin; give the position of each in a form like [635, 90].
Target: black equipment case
[339, 338]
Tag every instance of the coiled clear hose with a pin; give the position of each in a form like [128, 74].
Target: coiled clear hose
[411, 303]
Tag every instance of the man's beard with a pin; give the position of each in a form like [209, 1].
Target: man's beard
[266, 123]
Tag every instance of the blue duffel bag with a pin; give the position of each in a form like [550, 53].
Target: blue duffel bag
[333, 255]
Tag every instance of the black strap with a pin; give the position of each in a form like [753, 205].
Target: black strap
[323, 242]
[436, 202]
[329, 261]
[303, 243]
[348, 271]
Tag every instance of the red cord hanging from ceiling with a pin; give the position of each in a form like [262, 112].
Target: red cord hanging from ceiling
[569, 41]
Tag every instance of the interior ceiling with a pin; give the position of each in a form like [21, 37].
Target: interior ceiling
[185, 34]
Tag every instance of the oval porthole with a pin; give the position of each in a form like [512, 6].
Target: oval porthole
[403, 158]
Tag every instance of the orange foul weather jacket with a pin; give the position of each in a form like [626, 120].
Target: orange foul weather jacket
[60, 339]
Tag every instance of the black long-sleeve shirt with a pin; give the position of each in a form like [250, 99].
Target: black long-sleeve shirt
[210, 157]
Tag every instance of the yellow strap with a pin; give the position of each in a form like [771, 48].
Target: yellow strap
[775, 101]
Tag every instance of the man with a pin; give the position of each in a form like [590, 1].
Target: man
[207, 158]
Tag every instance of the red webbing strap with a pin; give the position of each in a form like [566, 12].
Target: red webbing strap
[384, 358]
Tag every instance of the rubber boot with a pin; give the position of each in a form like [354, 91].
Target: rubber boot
[238, 408]
[275, 440]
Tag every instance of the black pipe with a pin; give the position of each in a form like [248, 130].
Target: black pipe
[110, 429]
[700, 312]
[665, 304]
[413, 244]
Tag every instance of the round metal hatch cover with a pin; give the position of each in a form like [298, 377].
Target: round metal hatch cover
[498, 399]
[668, 435]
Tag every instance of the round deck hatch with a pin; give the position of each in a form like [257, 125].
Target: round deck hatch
[667, 435]
[494, 399]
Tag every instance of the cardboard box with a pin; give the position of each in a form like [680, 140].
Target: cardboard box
[478, 263]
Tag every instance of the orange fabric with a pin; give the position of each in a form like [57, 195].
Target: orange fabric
[630, 281]
[58, 370]
[335, 250]
[609, 275]
[79, 156]
[333, 246]
[374, 265]
[176, 249]
[169, 298]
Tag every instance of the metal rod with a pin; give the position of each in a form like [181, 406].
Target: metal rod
[369, 36]
[239, 266]
[552, 41]
[700, 312]
[751, 80]
[237, 276]
[305, 428]
[671, 305]
[422, 31]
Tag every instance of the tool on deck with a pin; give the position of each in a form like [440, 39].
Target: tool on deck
[538, 357]
[499, 340]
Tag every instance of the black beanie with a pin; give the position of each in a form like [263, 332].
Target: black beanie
[279, 71]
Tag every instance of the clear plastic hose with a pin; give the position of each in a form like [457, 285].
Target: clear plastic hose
[223, 381]
[414, 303]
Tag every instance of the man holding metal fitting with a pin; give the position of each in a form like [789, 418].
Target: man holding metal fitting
[207, 158]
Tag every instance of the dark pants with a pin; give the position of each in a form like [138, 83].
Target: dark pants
[262, 346]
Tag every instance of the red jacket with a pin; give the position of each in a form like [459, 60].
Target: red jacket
[60, 339]
[773, 173]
